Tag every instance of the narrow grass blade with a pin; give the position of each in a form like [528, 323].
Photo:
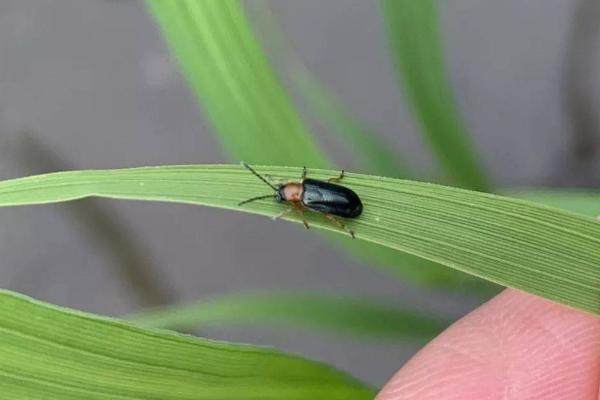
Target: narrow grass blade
[343, 315]
[229, 73]
[538, 249]
[135, 264]
[418, 270]
[413, 33]
[53, 353]
[585, 202]
[352, 132]
[253, 116]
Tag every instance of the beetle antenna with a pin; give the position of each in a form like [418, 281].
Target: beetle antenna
[259, 176]
[255, 198]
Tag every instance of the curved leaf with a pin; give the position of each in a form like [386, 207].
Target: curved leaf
[544, 251]
[373, 153]
[229, 73]
[413, 32]
[253, 117]
[586, 202]
[53, 353]
[331, 313]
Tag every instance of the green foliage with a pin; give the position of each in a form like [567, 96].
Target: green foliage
[255, 120]
[538, 249]
[373, 154]
[413, 32]
[584, 202]
[53, 353]
[343, 315]
[234, 82]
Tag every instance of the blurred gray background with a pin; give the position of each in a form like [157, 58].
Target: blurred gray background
[90, 84]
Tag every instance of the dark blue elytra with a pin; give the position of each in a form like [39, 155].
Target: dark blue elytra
[329, 198]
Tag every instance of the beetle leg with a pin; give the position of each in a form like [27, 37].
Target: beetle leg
[300, 210]
[337, 178]
[303, 173]
[294, 207]
[305, 222]
[340, 224]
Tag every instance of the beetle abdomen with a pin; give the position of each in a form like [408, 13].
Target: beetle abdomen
[330, 198]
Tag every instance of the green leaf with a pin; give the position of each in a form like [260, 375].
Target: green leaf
[330, 313]
[53, 353]
[585, 202]
[229, 73]
[413, 33]
[419, 270]
[538, 249]
[252, 115]
[355, 134]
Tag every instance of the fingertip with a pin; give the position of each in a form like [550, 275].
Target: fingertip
[516, 346]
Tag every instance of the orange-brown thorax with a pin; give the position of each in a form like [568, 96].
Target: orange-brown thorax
[292, 192]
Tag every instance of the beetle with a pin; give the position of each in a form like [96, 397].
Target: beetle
[325, 197]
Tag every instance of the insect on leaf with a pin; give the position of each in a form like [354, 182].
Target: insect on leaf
[535, 248]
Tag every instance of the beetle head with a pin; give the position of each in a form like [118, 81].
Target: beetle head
[280, 193]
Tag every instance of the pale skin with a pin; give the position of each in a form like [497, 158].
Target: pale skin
[514, 347]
